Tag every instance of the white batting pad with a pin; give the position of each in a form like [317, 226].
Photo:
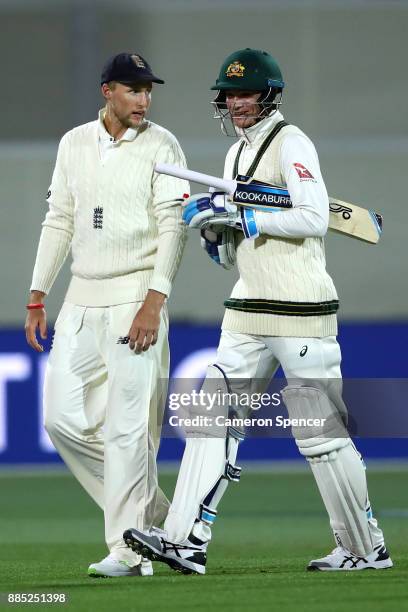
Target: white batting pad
[342, 483]
[202, 466]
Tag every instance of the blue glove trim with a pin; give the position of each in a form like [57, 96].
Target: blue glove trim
[249, 226]
[195, 207]
[212, 250]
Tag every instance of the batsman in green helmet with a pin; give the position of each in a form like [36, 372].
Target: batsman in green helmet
[250, 87]
[282, 312]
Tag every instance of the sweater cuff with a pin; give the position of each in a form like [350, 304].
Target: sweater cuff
[160, 283]
[39, 286]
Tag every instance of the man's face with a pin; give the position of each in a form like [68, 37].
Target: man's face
[243, 106]
[129, 103]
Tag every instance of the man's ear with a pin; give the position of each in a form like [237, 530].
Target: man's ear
[106, 91]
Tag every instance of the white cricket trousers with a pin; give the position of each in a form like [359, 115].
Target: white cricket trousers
[256, 359]
[253, 359]
[103, 405]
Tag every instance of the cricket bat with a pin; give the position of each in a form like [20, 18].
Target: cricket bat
[345, 218]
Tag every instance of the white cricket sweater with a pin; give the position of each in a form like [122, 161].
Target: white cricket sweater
[120, 218]
[284, 288]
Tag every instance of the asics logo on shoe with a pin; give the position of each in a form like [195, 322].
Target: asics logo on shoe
[354, 561]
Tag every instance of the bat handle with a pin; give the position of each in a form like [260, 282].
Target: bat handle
[197, 177]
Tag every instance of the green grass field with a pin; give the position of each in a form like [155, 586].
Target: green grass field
[269, 526]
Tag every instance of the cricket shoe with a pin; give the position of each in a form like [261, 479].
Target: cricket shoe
[189, 557]
[111, 567]
[341, 559]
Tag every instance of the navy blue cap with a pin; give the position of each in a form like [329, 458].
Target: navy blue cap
[128, 68]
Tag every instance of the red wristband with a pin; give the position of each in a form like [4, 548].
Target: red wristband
[34, 306]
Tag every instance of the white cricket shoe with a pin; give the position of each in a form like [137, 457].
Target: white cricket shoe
[111, 567]
[341, 559]
[188, 558]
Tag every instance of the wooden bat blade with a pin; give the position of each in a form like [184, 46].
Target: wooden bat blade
[360, 223]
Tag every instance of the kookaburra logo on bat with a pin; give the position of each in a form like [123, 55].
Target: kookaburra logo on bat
[340, 209]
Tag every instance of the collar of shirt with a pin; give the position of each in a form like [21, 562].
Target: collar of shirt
[254, 135]
[105, 139]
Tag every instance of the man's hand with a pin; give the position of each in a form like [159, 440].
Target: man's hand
[202, 209]
[208, 210]
[145, 326]
[218, 242]
[36, 318]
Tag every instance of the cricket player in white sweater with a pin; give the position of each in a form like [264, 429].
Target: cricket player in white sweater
[105, 380]
[282, 311]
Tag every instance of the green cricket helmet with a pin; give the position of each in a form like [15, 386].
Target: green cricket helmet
[248, 70]
[251, 70]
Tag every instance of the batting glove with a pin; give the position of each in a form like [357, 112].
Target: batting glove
[219, 244]
[211, 209]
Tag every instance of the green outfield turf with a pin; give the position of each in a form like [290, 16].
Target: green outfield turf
[270, 525]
